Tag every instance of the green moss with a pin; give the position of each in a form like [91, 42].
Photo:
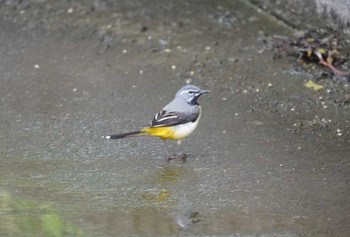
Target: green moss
[30, 218]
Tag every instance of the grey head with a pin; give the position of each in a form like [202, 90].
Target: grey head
[190, 94]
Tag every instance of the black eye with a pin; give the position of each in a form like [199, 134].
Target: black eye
[191, 92]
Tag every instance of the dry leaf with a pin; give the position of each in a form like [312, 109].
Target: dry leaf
[313, 85]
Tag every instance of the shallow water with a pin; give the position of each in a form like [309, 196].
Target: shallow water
[251, 170]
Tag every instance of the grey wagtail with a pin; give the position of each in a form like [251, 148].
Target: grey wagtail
[176, 120]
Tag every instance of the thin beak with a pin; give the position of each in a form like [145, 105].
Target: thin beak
[204, 92]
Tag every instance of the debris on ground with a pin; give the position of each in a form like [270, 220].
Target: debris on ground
[312, 48]
[313, 85]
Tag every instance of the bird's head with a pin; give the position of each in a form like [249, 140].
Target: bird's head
[190, 94]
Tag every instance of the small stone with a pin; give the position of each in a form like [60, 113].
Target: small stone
[339, 132]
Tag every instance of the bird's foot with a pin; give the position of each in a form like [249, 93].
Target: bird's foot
[171, 157]
[183, 157]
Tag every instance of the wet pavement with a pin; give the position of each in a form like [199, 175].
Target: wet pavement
[270, 157]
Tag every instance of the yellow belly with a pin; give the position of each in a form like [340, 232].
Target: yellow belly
[162, 132]
[174, 133]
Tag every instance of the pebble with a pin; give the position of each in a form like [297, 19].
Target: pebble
[339, 132]
[181, 49]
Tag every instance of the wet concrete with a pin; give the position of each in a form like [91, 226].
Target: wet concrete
[270, 157]
[329, 15]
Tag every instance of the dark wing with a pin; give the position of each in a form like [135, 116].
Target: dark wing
[165, 118]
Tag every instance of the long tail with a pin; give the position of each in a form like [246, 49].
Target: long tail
[124, 135]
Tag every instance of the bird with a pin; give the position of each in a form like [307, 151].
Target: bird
[176, 121]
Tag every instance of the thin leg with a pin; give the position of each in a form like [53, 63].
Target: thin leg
[183, 157]
[168, 157]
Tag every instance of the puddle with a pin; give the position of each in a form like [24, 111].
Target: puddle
[253, 171]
